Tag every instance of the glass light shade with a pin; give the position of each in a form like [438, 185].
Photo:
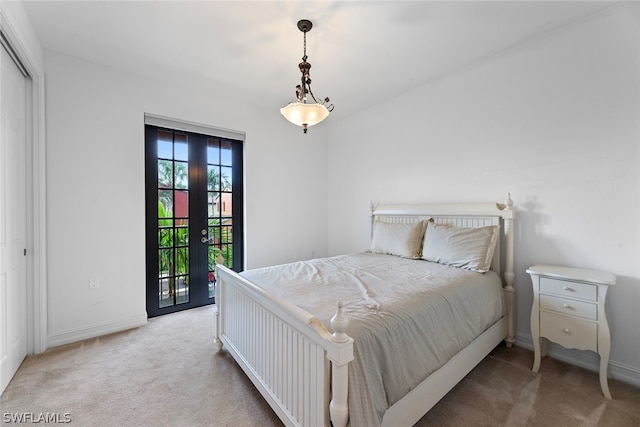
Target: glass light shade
[302, 114]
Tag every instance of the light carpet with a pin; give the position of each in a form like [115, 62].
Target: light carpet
[168, 373]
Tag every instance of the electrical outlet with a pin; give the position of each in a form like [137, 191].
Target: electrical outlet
[94, 283]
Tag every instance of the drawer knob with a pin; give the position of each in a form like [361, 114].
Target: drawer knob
[566, 331]
[566, 306]
[567, 288]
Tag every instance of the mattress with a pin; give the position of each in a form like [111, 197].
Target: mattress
[407, 317]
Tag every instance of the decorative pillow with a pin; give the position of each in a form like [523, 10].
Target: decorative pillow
[403, 240]
[470, 248]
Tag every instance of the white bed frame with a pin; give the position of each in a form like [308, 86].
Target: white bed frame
[301, 368]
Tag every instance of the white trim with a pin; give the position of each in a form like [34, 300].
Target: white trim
[9, 49]
[37, 246]
[96, 330]
[167, 122]
[459, 209]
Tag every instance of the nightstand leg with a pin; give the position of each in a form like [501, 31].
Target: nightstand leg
[535, 333]
[604, 384]
[604, 347]
[536, 354]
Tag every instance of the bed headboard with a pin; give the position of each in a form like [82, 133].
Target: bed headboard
[462, 215]
[468, 215]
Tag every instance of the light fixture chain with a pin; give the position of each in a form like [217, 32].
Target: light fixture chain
[304, 57]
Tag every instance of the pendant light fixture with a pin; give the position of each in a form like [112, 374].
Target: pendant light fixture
[303, 112]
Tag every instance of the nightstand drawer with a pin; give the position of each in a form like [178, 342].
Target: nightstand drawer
[568, 331]
[569, 289]
[569, 307]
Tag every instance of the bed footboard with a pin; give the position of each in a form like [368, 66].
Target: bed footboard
[285, 351]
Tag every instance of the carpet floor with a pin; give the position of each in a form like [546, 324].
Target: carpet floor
[168, 373]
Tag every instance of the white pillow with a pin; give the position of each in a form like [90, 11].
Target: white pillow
[403, 240]
[470, 248]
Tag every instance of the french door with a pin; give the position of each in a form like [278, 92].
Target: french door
[193, 216]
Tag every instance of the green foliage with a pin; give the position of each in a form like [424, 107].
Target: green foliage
[173, 255]
[215, 182]
[222, 239]
[173, 238]
[172, 174]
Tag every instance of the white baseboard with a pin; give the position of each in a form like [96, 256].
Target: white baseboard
[585, 359]
[96, 330]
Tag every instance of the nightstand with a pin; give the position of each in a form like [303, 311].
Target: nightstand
[569, 308]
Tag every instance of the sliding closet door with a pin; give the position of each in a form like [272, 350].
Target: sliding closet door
[194, 216]
[13, 217]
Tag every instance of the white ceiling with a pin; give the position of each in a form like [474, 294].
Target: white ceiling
[361, 51]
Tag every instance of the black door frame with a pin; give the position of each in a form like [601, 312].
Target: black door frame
[198, 217]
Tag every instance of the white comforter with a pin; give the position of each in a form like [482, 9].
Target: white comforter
[407, 317]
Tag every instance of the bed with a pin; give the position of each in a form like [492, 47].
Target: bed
[378, 337]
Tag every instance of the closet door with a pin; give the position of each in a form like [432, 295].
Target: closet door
[13, 218]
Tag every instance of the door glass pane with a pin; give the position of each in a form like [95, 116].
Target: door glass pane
[182, 261]
[213, 151]
[181, 204]
[165, 173]
[165, 237]
[227, 254]
[181, 175]
[165, 145]
[225, 178]
[213, 178]
[225, 153]
[223, 205]
[182, 289]
[181, 148]
[225, 234]
[212, 203]
[165, 288]
[182, 233]
[165, 204]
[165, 262]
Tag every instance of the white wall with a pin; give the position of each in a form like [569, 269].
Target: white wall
[95, 186]
[555, 122]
